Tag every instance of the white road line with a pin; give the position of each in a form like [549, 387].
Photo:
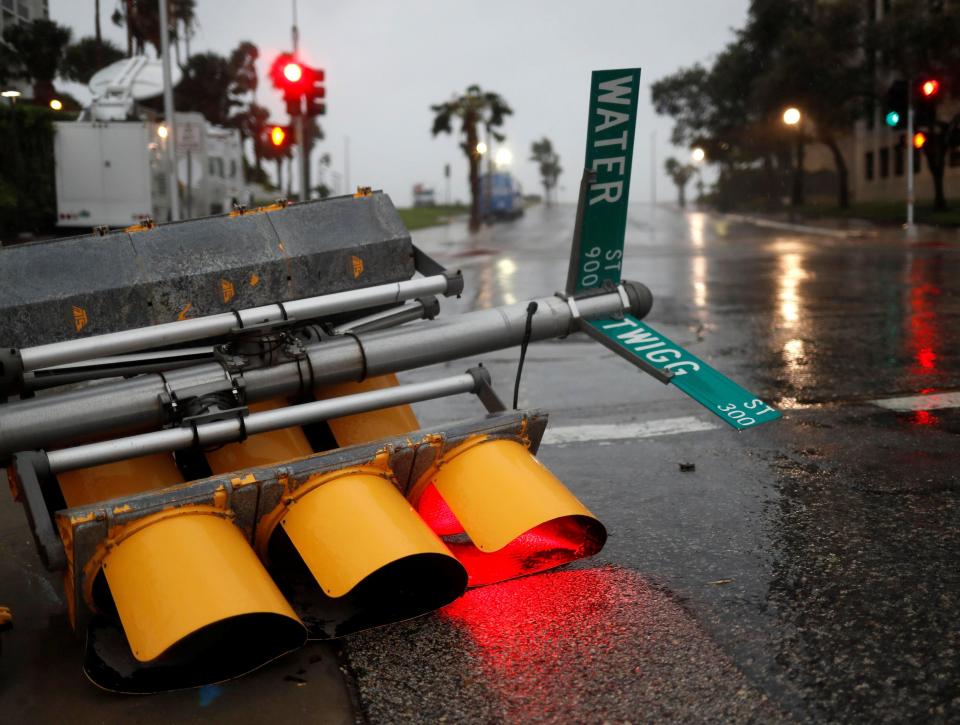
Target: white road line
[912, 403]
[622, 431]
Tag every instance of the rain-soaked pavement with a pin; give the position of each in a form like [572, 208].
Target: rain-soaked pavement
[805, 570]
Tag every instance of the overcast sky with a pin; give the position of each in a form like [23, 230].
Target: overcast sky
[388, 61]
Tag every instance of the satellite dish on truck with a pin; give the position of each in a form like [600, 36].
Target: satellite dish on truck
[116, 87]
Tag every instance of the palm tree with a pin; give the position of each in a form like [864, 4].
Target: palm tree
[680, 174]
[542, 152]
[474, 108]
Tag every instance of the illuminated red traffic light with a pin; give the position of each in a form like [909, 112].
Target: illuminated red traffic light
[293, 72]
[929, 88]
[919, 139]
[277, 136]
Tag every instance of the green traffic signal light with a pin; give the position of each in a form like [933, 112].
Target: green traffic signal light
[892, 119]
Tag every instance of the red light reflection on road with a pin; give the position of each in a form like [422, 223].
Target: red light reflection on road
[924, 337]
[541, 639]
[925, 417]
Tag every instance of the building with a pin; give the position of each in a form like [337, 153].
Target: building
[15, 12]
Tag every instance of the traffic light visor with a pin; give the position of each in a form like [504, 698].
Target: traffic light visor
[519, 518]
[373, 559]
[194, 602]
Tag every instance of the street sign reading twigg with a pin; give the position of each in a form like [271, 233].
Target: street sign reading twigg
[713, 390]
[597, 257]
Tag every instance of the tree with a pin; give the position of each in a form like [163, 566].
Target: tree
[251, 122]
[473, 109]
[36, 52]
[86, 57]
[680, 174]
[919, 39]
[817, 65]
[549, 160]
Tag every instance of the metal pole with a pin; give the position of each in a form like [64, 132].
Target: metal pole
[198, 328]
[225, 431]
[910, 190]
[346, 161]
[173, 193]
[134, 405]
[653, 168]
[304, 161]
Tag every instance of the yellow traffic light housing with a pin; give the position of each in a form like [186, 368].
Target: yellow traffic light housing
[394, 567]
[519, 517]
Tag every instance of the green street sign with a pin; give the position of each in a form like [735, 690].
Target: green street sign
[605, 189]
[645, 347]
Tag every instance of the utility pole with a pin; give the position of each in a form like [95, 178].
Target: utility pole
[653, 169]
[301, 120]
[173, 192]
[910, 151]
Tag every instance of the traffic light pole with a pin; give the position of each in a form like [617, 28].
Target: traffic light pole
[910, 192]
[304, 161]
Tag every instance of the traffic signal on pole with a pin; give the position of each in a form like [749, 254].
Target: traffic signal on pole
[302, 86]
[895, 105]
[315, 92]
[919, 139]
[926, 95]
[280, 137]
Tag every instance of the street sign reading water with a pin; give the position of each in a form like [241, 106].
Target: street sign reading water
[602, 216]
[598, 255]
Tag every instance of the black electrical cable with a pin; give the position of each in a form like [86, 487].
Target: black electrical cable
[527, 332]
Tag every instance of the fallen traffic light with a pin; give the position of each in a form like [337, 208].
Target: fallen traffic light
[519, 518]
[176, 597]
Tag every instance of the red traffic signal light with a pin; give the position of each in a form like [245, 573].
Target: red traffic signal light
[919, 139]
[293, 72]
[930, 88]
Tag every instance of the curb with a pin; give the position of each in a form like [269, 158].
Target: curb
[802, 228]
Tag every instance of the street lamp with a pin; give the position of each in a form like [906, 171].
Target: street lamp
[503, 158]
[481, 148]
[793, 117]
[698, 155]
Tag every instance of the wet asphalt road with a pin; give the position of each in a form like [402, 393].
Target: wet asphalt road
[805, 570]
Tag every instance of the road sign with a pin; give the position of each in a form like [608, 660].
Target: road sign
[640, 343]
[189, 137]
[602, 215]
[598, 255]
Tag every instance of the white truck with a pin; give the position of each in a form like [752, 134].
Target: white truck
[111, 168]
